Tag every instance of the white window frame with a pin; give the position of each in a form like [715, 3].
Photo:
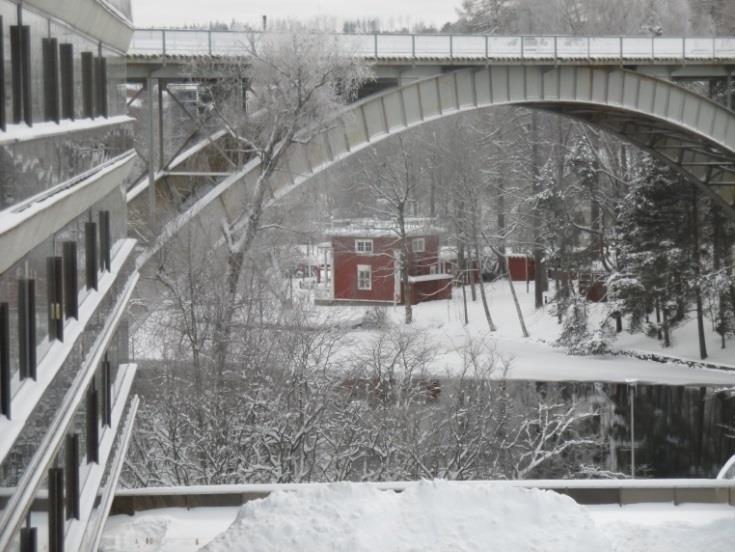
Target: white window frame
[364, 247]
[415, 245]
[369, 270]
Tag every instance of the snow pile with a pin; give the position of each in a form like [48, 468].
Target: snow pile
[140, 534]
[428, 516]
[717, 536]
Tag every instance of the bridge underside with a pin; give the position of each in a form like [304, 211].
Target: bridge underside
[707, 164]
[693, 134]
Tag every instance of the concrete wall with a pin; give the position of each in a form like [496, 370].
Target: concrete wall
[92, 17]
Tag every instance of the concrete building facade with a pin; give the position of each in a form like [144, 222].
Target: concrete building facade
[67, 269]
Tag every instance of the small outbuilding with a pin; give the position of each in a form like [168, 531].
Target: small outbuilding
[369, 257]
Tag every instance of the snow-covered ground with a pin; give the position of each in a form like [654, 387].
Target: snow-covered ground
[428, 517]
[442, 324]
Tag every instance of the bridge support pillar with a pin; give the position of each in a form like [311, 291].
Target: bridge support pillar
[151, 155]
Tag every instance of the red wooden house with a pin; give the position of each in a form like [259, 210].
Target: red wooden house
[367, 260]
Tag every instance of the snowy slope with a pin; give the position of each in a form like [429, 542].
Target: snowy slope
[534, 358]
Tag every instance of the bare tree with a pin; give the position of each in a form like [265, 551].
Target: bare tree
[285, 90]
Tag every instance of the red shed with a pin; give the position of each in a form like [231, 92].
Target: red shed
[367, 264]
[521, 267]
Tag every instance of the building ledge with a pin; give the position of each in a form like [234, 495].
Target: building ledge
[92, 17]
[77, 531]
[15, 134]
[24, 227]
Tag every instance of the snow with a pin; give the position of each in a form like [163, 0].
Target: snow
[166, 530]
[666, 528]
[441, 323]
[684, 346]
[381, 228]
[426, 516]
[429, 278]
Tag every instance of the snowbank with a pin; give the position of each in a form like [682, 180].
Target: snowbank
[427, 516]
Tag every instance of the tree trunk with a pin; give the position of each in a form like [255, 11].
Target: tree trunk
[464, 301]
[519, 312]
[665, 327]
[697, 268]
[537, 253]
[717, 264]
[483, 296]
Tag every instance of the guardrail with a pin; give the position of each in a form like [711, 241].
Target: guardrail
[452, 46]
[621, 492]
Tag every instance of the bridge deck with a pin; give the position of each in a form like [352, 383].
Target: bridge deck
[456, 48]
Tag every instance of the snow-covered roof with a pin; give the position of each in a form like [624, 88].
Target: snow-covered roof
[429, 278]
[382, 228]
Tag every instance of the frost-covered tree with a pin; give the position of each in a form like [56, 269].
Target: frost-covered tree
[285, 90]
[655, 252]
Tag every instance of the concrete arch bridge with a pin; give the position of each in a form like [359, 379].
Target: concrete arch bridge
[690, 132]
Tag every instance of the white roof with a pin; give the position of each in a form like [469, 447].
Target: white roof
[380, 228]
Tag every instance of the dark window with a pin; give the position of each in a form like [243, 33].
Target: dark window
[105, 241]
[71, 279]
[51, 79]
[88, 84]
[5, 398]
[27, 327]
[3, 119]
[55, 294]
[90, 254]
[93, 450]
[16, 70]
[71, 466]
[20, 62]
[28, 539]
[66, 64]
[56, 510]
[101, 88]
[106, 392]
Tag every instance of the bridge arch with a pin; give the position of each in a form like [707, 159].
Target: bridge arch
[690, 132]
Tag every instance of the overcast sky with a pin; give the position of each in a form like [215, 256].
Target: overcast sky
[148, 13]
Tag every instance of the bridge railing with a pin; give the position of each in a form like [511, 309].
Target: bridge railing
[447, 46]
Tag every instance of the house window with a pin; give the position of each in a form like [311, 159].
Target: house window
[364, 277]
[433, 269]
[365, 247]
[418, 245]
